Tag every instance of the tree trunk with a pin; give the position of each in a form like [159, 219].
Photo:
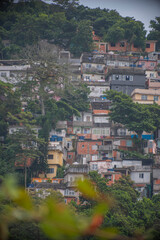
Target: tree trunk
[140, 147]
[25, 176]
[42, 107]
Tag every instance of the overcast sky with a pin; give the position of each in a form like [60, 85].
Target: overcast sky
[143, 10]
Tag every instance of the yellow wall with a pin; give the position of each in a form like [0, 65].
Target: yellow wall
[150, 99]
[57, 157]
[51, 175]
[53, 163]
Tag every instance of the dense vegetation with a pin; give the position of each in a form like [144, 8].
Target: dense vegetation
[104, 212]
[135, 117]
[131, 216]
[42, 111]
[67, 24]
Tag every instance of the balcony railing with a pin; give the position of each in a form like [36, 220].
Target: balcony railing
[61, 124]
[105, 148]
[55, 148]
[82, 124]
[93, 70]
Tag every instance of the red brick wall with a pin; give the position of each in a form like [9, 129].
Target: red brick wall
[84, 148]
[69, 199]
[117, 47]
[115, 177]
[152, 47]
[102, 48]
[72, 158]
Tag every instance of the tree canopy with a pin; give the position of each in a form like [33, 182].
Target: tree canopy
[134, 116]
[154, 34]
[65, 23]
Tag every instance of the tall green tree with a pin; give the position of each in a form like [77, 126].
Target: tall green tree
[9, 102]
[77, 96]
[154, 34]
[115, 34]
[82, 40]
[25, 139]
[134, 32]
[134, 116]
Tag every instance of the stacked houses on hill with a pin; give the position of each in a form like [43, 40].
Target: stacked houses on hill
[91, 141]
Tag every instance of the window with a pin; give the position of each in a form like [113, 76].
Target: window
[120, 77]
[94, 166]
[50, 156]
[88, 118]
[88, 65]
[87, 130]
[122, 155]
[94, 147]
[145, 144]
[113, 77]
[69, 156]
[117, 77]
[68, 145]
[108, 177]
[155, 98]
[131, 78]
[99, 67]
[123, 77]
[151, 74]
[96, 131]
[127, 77]
[113, 44]
[129, 143]
[147, 45]
[122, 44]
[144, 97]
[55, 181]
[50, 170]
[138, 189]
[78, 118]
[87, 77]
[71, 193]
[3, 74]
[152, 64]
[122, 132]
[82, 146]
[141, 175]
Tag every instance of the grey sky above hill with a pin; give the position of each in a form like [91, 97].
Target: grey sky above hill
[143, 10]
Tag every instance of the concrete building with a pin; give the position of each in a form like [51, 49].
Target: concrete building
[126, 80]
[146, 96]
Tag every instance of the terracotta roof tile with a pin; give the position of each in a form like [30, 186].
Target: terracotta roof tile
[101, 111]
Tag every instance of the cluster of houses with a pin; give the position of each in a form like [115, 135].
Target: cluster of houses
[91, 141]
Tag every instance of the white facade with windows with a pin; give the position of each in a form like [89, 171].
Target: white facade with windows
[101, 132]
[101, 119]
[98, 91]
[13, 73]
[141, 175]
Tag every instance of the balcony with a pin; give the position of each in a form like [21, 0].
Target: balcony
[61, 124]
[54, 147]
[82, 124]
[105, 148]
[93, 70]
[101, 125]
